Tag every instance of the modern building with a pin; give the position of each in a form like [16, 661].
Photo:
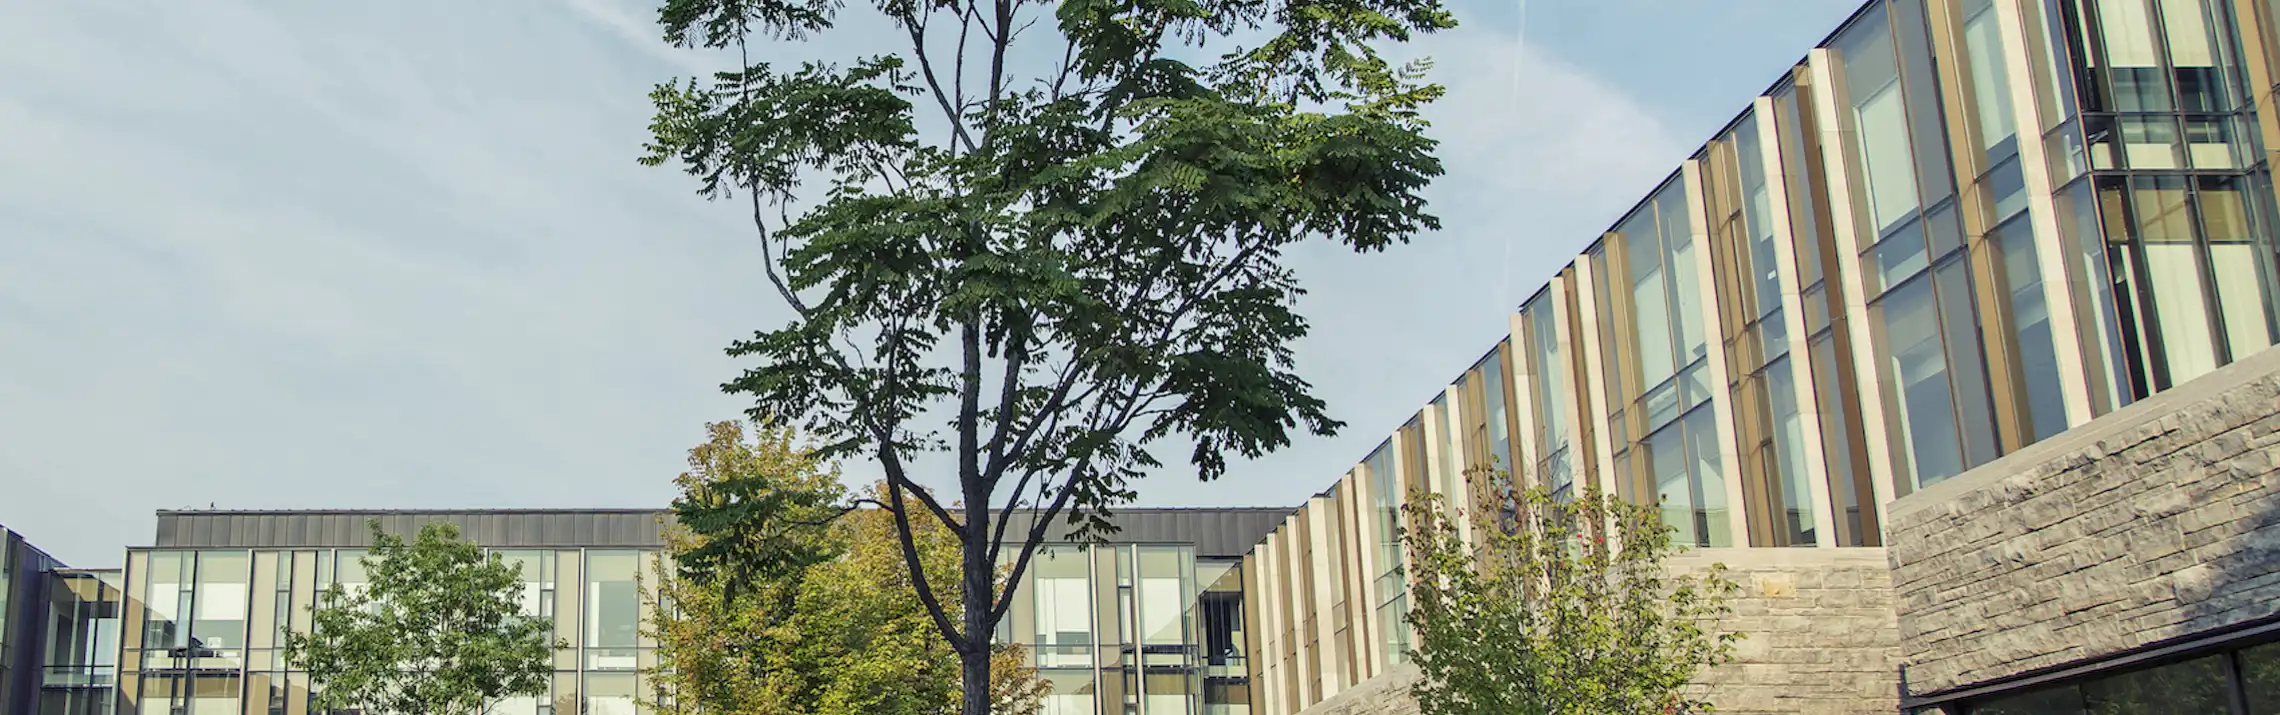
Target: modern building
[1958, 239]
[1952, 345]
[24, 572]
[1151, 624]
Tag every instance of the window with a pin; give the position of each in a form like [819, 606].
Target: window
[1924, 431]
[1063, 591]
[2045, 406]
[1392, 587]
[1990, 82]
[613, 609]
[1553, 469]
[164, 599]
[1069, 693]
[610, 694]
[1879, 116]
[220, 603]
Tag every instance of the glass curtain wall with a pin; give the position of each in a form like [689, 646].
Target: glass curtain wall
[1764, 385]
[1828, 342]
[1555, 463]
[81, 663]
[1665, 437]
[1166, 641]
[205, 629]
[2181, 186]
[1915, 263]
[2029, 404]
[1392, 586]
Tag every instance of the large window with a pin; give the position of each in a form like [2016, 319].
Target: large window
[1392, 587]
[613, 609]
[1768, 421]
[1063, 593]
[1665, 450]
[2191, 274]
[1555, 468]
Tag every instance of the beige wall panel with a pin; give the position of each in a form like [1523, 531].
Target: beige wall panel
[1593, 379]
[2050, 248]
[1793, 320]
[1721, 397]
[1836, 139]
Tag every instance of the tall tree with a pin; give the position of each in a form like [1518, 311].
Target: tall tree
[438, 630]
[830, 625]
[1559, 607]
[1072, 264]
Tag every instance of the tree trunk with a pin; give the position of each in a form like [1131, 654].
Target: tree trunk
[978, 595]
[974, 664]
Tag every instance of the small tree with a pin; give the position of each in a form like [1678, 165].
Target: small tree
[777, 603]
[1559, 608]
[438, 630]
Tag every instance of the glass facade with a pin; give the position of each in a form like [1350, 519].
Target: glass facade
[205, 628]
[1954, 229]
[81, 664]
[2227, 681]
[1140, 629]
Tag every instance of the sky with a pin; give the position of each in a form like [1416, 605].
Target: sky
[264, 255]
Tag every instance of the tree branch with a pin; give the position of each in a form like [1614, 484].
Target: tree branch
[918, 580]
[1016, 358]
[926, 68]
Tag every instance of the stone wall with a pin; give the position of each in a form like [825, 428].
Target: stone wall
[1386, 694]
[2155, 522]
[1821, 639]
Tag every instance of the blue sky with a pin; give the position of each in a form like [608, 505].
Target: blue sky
[346, 255]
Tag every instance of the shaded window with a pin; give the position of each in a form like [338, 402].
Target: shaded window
[2030, 318]
[1063, 593]
[1553, 468]
[1925, 430]
[613, 609]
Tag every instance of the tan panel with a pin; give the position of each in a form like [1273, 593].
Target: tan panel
[2051, 251]
[1835, 140]
[1721, 400]
[1593, 378]
[261, 611]
[1264, 574]
[1793, 318]
[304, 589]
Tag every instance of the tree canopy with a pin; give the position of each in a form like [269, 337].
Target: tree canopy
[439, 629]
[1559, 607]
[832, 628]
[1013, 280]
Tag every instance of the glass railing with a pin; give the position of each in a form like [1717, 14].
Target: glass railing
[79, 676]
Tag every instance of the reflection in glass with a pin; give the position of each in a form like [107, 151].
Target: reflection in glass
[1064, 607]
[1069, 693]
[2062, 700]
[613, 609]
[1880, 120]
[2194, 687]
[1924, 421]
[220, 604]
[1549, 384]
[2030, 316]
[2173, 272]
[2237, 260]
[1793, 514]
[610, 694]
[164, 598]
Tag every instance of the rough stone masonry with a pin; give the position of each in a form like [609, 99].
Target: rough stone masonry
[2157, 521]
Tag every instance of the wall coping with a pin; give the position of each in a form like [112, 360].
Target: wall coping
[1756, 557]
[2206, 388]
